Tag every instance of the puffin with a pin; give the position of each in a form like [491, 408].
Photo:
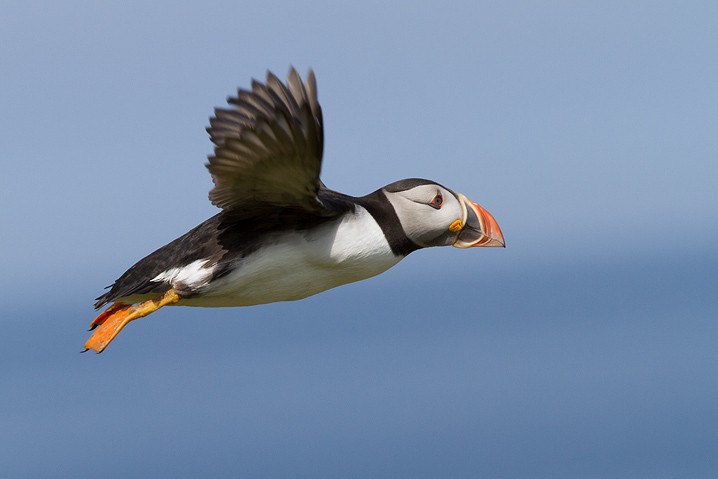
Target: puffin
[281, 234]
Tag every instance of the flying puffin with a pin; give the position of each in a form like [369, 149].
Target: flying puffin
[282, 235]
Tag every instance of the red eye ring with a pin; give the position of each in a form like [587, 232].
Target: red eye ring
[437, 201]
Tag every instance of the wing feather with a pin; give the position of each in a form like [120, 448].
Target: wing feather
[268, 148]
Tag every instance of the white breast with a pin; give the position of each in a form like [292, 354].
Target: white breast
[296, 265]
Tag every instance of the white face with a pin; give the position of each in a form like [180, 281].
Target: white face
[428, 214]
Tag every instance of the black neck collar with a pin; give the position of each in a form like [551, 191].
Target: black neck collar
[381, 209]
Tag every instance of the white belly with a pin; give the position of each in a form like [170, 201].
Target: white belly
[295, 266]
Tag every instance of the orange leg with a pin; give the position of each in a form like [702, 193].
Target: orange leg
[111, 321]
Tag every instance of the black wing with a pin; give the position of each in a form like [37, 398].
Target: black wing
[268, 151]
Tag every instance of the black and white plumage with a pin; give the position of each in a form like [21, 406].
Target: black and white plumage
[282, 235]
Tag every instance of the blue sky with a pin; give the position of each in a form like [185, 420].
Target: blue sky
[586, 348]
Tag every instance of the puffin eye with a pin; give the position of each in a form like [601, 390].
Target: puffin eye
[437, 201]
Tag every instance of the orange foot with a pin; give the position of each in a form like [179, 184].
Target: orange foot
[111, 321]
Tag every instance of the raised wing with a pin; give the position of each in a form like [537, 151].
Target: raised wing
[268, 151]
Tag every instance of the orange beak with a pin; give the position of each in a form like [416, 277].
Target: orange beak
[479, 227]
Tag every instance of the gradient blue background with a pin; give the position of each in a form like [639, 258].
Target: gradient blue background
[586, 348]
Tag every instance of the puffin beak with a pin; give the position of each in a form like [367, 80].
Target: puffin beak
[479, 227]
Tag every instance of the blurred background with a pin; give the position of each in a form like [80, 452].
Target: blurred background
[586, 348]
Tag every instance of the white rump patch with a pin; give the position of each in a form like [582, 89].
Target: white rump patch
[193, 275]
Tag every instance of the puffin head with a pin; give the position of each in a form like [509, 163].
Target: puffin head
[433, 215]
